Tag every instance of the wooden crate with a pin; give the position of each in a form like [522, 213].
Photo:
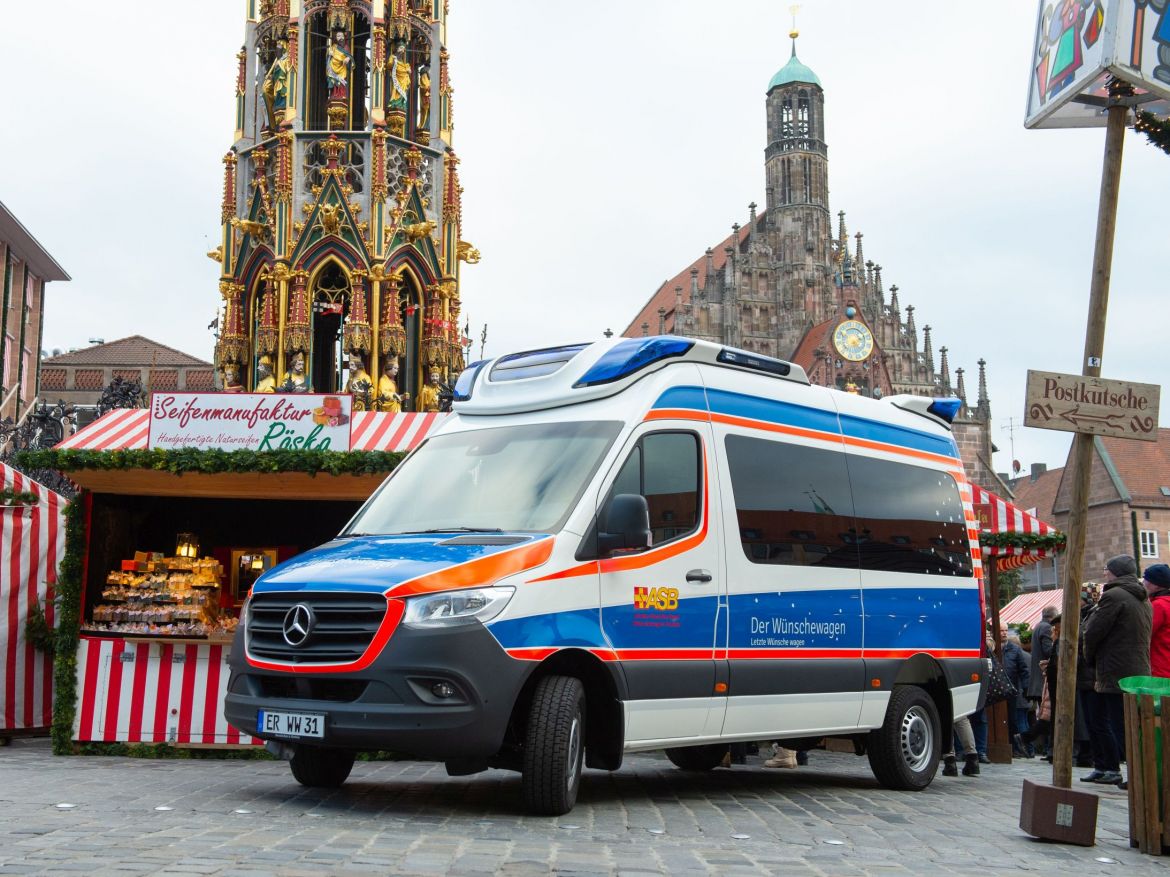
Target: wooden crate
[1149, 799]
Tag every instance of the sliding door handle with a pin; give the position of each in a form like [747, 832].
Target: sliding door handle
[700, 576]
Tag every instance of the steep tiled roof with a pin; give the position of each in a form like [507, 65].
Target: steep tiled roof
[1143, 467]
[1038, 494]
[817, 336]
[132, 351]
[664, 297]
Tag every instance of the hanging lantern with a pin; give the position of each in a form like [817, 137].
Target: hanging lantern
[187, 545]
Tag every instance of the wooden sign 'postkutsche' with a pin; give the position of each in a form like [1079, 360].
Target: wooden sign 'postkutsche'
[1075, 403]
[250, 421]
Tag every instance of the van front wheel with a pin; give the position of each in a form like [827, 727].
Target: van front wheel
[697, 757]
[554, 746]
[904, 751]
[321, 768]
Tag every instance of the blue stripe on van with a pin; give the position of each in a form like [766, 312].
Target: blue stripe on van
[683, 397]
[894, 619]
[915, 618]
[580, 627]
[771, 411]
[890, 434]
[805, 417]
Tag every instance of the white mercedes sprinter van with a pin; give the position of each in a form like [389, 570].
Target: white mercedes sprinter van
[649, 543]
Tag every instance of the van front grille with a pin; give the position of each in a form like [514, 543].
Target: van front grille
[343, 626]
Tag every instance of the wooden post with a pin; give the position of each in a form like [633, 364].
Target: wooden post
[1000, 717]
[1082, 455]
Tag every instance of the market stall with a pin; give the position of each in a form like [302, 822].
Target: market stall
[180, 510]
[1027, 608]
[31, 544]
[1009, 538]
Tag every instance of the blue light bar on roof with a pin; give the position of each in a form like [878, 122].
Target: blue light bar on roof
[947, 409]
[462, 391]
[632, 355]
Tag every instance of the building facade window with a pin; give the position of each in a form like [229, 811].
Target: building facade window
[1148, 541]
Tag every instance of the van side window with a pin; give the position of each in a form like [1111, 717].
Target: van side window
[664, 468]
[792, 502]
[910, 519]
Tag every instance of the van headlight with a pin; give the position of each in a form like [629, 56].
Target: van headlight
[457, 607]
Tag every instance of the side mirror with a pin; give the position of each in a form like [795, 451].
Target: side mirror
[624, 525]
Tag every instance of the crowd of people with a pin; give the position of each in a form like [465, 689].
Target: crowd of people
[1124, 631]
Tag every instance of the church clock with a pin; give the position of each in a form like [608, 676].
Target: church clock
[853, 341]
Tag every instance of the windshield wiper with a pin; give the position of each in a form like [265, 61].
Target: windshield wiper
[453, 530]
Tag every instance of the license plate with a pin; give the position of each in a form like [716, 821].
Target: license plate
[291, 724]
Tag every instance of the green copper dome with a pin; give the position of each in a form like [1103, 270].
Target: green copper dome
[793, 71]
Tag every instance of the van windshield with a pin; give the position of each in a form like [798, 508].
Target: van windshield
[507, 478]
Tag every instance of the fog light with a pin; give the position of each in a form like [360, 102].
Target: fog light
[443, 690]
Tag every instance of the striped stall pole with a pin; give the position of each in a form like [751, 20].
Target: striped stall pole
[136, 691]
[32, 538]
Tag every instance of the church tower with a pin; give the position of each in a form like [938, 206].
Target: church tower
[341, 241]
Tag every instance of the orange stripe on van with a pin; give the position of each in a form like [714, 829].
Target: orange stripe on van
[482, 572]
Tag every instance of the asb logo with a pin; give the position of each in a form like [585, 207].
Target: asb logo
[664, 599]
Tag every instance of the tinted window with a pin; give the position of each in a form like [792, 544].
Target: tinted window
[792, 503]
[664, 468]
[909, 519]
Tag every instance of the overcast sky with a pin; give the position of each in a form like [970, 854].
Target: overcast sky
[604, 146]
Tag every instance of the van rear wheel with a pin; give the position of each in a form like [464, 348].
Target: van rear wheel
[321, 768]
[697, 757]
[904, 751]
[554, 746]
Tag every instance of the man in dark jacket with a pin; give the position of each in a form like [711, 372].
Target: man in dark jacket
[1117, 644]
[1015, 664]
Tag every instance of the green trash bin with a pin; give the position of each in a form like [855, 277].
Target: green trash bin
[1159, 687]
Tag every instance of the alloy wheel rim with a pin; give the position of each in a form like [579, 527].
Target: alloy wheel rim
[917, 739]
[574, 754]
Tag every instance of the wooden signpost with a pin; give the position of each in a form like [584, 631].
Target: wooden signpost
[1075, 403]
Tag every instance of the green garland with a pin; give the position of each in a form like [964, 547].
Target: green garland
[38, 633]
[68, 602]
[8, 496]
[1157, 130]
[194, 460]
[1051, 541]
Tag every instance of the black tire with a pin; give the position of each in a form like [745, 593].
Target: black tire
[697, 757]
[904, 752]
[554, 746]
[321, 768]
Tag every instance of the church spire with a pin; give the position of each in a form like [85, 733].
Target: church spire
[984, 402]
[911, 331]
[961, 389]
[945, 368]
[895, 310]
[927, 352]
[861, 276]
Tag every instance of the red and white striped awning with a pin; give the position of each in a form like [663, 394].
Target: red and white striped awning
[32, 542]
[1028, 607]
[128, 430]
[997, 515]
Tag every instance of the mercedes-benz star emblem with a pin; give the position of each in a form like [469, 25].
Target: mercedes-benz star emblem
[298, 625]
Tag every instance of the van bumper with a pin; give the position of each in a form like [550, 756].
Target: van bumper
[392, 704]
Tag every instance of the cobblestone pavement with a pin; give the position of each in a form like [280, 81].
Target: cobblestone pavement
[135, 816]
